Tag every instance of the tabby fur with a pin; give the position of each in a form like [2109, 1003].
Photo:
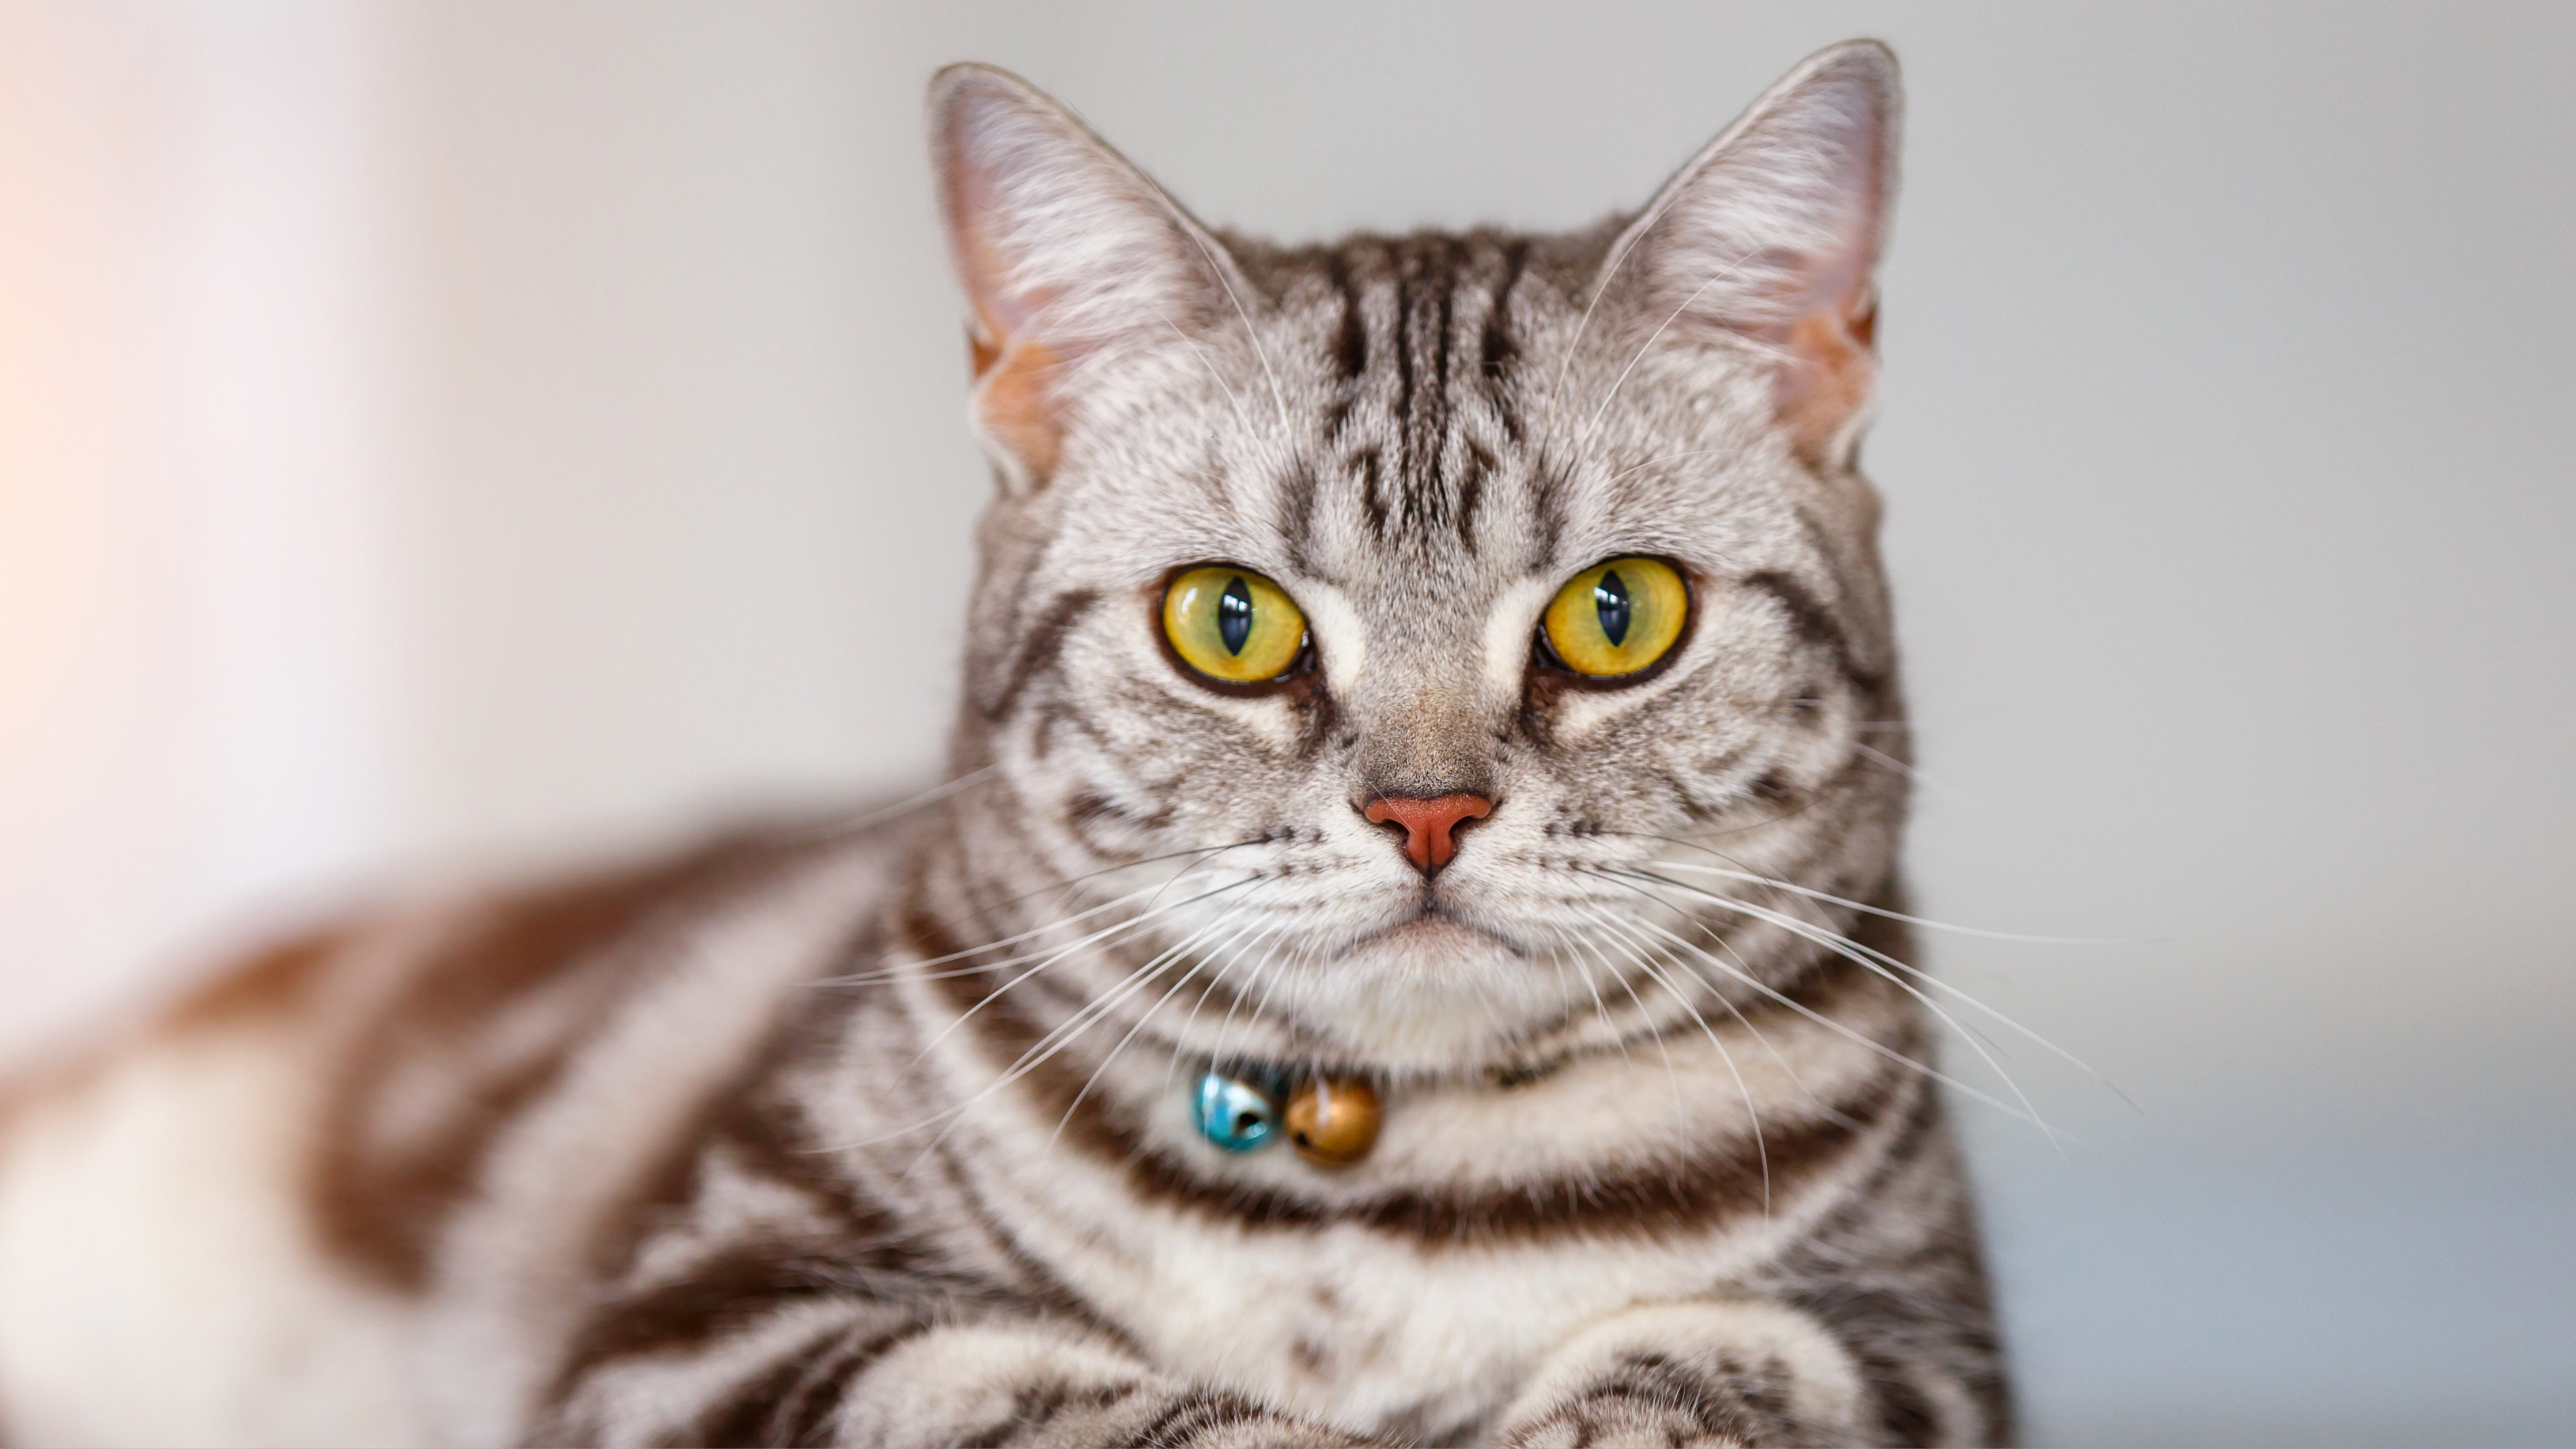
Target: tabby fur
[876, 1131]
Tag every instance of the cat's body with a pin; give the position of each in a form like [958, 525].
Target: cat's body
[881, 1134]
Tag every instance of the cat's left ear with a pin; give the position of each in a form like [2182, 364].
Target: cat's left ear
[1071, 258]
[1773, 234]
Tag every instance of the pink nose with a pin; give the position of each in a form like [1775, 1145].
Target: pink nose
[1427, 823]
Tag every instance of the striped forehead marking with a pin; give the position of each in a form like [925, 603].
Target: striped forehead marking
[1419, 349]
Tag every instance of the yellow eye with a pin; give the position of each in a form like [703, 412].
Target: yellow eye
[1232, 624]
[1616, 618]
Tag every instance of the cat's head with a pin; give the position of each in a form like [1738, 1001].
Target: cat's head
[1294, 629]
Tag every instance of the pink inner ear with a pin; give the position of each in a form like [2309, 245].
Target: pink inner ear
[1013, 370]
[1832, 363]
[1014, 403]
[1807, 174]
[1011, 367]
[1832, 342]
[1066, 252]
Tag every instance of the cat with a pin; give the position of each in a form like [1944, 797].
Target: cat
[1408, 950]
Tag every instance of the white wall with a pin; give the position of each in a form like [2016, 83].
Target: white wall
[447, 431]
[198, 637]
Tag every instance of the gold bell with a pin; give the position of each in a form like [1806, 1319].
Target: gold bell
[1333, 1120]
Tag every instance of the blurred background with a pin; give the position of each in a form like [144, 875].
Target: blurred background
[437, 437]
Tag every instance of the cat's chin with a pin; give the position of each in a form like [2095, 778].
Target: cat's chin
[1431, 939]
[1430, 994]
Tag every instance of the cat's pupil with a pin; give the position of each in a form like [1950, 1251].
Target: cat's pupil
[1234, 616]
[1610, 601]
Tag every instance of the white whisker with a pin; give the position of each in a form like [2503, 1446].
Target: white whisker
[1215, 979]
[1849, 950]
[998, 992]
[1813, 1098]
[911, 968]
[1252, 334]
[906, 806]
[909, 971]
[1610, 274]
[1214, 376]
[1891, 762]
[1599, 1006]
[1047, 1047]
[1865, 908]
[1089, 1082]
[1924, 1069]
[1761, 1146]
[1909, 968]
[1680, 1110]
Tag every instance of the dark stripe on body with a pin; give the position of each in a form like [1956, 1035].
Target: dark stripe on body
[793, 1401]
[279, 981]
[1036, 1406]
[384, 1190]
[1192, 1415]
[847, 1246]
[1930, 1311]
[859, 1251]
[715, 1299]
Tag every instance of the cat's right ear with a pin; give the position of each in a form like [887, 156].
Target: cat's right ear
[1071, 259]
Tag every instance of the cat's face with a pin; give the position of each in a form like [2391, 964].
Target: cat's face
[1292, 607]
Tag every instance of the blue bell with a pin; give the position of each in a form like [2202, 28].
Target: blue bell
[1235, 1114]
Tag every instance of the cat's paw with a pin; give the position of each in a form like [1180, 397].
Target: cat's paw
[1002, 1385]
[1690, 1376]
[1222, 1421]
[1645, 1408]
[1025, 1387]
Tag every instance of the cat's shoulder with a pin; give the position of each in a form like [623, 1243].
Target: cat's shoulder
[406, 1043]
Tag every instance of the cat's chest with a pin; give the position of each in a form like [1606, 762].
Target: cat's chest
[1346, 1321]
[1418, 1288]
[1360, 1321]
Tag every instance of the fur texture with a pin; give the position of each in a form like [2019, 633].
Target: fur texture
[877, 1133]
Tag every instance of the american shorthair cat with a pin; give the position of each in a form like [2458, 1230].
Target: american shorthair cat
[1409, 950]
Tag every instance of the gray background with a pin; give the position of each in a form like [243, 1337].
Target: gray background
[439, 435]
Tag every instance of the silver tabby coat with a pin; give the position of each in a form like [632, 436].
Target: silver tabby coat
[879, 1133]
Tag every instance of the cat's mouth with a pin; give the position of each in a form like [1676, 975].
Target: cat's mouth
[1432, 928]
